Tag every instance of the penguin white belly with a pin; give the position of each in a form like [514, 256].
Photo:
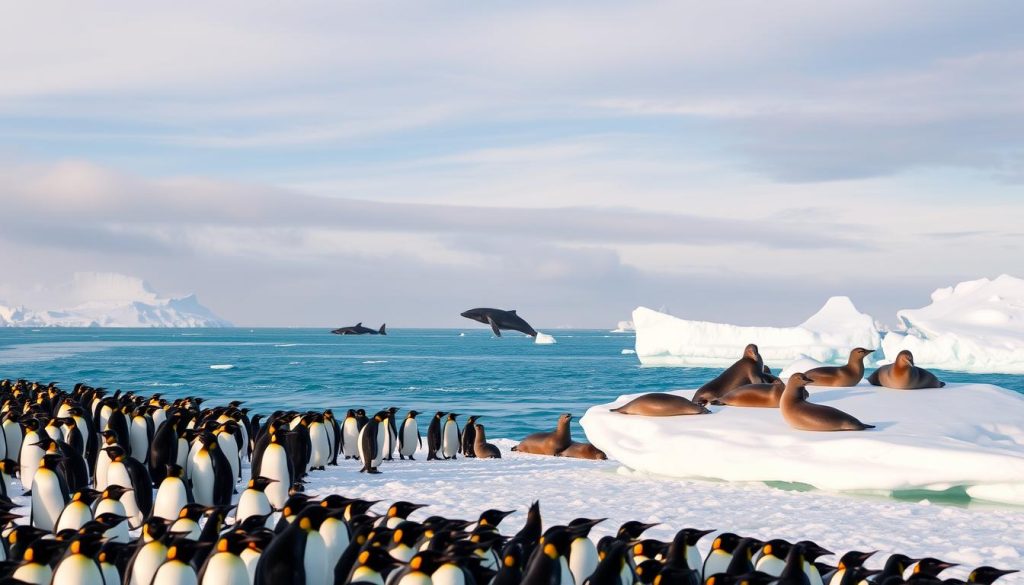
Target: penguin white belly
[230, 448]
[389, 439]
[117, 474]
[147, 561]
[34, 573]
[251, 558]
[566, 578]
[175, 573]
[29, 458]
[402, 553]
[12, 439]
[74, 516]
[188, 526]
[275, 466]
[118, 533]
[336, 539]
[102, 465]
[225, 568]
[692, 557]
[365, 575]
[252, 503]
[415, 578]
[626, 575]
[78, 569]
[350, 434]
[450, 441]
[202, 478]
[812, 574]
[410, 439]
[171, 497]
[159, 416]
[382, 433]
[47, 499]
[190, 460]
[111, 576]
[583, 559]
[314, 559]
[331, 436]
[138, 439]
[771, 564]
[320, 453]
[448, 574]
[181, 458]
[717, 562]
[837, 577]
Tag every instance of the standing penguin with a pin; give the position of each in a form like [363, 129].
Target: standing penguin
[275, 464]
[297, 555]
[49, 493]
[370, 449]
[468, 437]
[31, 454]
[583, 557]
[178, 568]
[111, 503]
[254, 501]
[350, 436]
[173, 494]
[390, 434]
[434, 436]
[320, 441]
[80, 565]
[225, 566]
[78, 511]
[450, 437]
[128, 472]
[212, 476]
[409, 438]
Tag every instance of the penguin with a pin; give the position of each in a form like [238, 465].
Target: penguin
[81, 564]
[404, 540]
[229, 441]
[772, 557]
[187, 524]
[612, 566]
[178, 568]
[370, 450]
[409, 438]
[583, 557]
[102, 462]
[420, 568]
[320, 441]
[78, 511]
[173, 494]
[31, 454]
[49, 493]
[684, 544]
[110, 502]
[298, 555]
[212, 478]
[333, 434]
[848, 561]
[718, 558]
[37, 560]
[335, 533]
[390, 434]
[276, 465]
[350, 436]
[128, 472]
[987, 575]
[370, 566]
[434, 436]
[225, 566]
[8, 467]
[468, 437]
[110, 558]
[450, 437]
[140, 434]
[549, 565]
[254, 501]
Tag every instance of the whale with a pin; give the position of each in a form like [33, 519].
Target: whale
[358, 329]
[499, 319]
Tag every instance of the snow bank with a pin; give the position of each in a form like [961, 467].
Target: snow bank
[544, 339]
[828, 336]
[113, 300]
[968, 436]
[975, 326]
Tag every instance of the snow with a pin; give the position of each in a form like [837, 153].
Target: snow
[113, 300]
[544, 339]
[827, 336]
[963, 436]
[975, 326]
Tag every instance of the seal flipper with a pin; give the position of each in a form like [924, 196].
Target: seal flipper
[494, 326]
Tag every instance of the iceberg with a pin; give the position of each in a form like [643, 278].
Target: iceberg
[114, 300]
[827, 337]
[975, 326]
[624, 327]
[967, 437]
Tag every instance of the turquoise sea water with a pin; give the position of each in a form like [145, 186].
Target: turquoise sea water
[518, 386]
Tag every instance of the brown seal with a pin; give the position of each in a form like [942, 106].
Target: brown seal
[481, 448]
[902, 374]
[807, 416]
[754, 395]
[583, 451]
[548, 443]
[660, 404]
[748, 370]
[848, 375]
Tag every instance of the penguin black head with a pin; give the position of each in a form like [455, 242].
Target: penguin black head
[351, 412]
[85, 495]
[110, 519]
[9, 466]
[335, 502]
[51, 461]
[392, 410]
[260, 483]
[295, 504]
[358, 507]
[254, 522]
[115, 553]
[931, 567]
[115, 452]
[403, 509]
[233, 542]
[725, 541]
[777, 548]
[43, 551]
[556, 541]
[986, 575]
[175, 470]
[407, 533]
[812, 551]
[184, 550]
[426, 561]
[86, 544]
[297, 488]
[114, 492]
[493, 517]
[649, 548]
[452, 415]
[311, 518]
[438, 414]
[854, 559]
[376, 559]
[412, 414]
[156, 528]
[632, 529]
[192, 511]
[647, 571]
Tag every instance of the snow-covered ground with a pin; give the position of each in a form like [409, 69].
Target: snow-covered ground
[975, 326]
[827, 336]
[113, 300]
[963, 436]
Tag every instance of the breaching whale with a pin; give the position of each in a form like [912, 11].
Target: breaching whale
[358, 329]
[499, 319]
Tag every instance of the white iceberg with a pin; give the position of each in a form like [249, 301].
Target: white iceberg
[113, 300]
[975, 326]
[966, 437]
[624, 327]
[544, 339]
[828, 336]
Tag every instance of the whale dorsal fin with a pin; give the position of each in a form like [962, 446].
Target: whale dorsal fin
[359, 324]
[513, 311]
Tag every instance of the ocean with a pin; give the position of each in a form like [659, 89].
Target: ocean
[517, 386]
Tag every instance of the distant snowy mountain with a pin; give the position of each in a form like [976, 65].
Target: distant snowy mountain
[113, 300]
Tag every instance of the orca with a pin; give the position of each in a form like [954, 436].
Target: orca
[499, 319]
[358, 329]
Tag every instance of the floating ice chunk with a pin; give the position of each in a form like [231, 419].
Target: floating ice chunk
[544, 339]
[968, 436]
[628, 351]
[222, 366]
[624, 327]
[827, 336]
[975, 326]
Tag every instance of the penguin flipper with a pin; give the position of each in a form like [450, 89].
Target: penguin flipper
[494, 326]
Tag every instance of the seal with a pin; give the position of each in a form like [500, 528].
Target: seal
[806, 416]
[660, 404]
[902, 374]
[583, 451]
[548, 443]
[848, 375]
[754, 395]
[749, 369]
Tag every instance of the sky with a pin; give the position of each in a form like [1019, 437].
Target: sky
[322, 163]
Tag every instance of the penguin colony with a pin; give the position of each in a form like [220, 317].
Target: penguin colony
[750, 383]
[135, 490]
